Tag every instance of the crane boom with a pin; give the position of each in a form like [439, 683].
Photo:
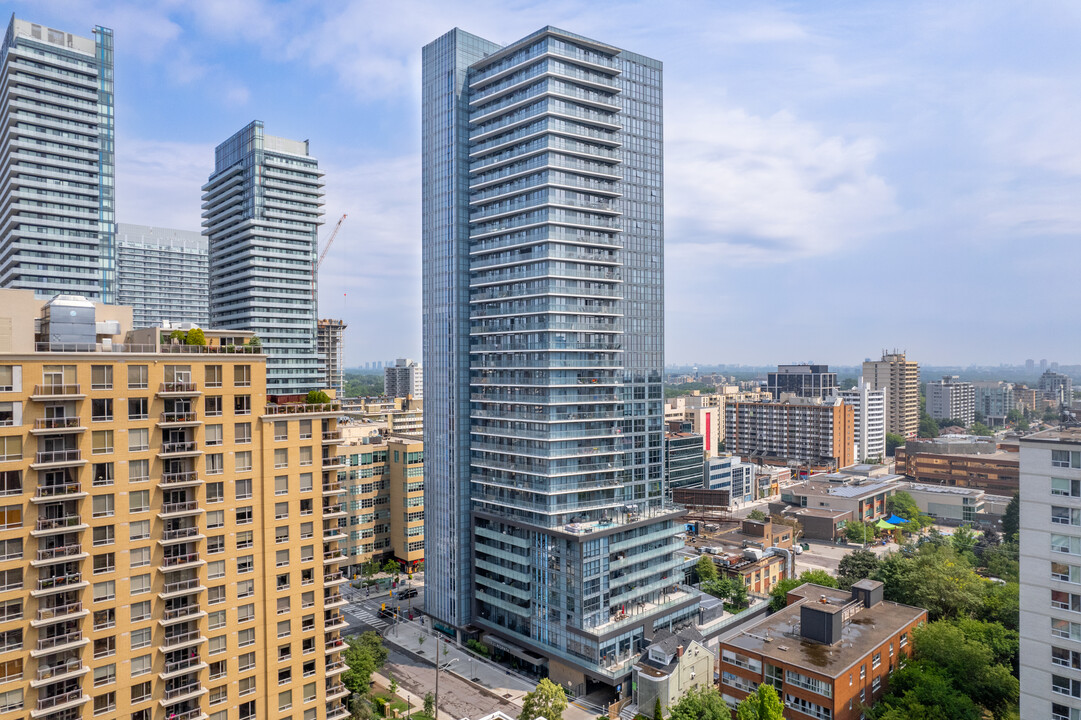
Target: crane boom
[330, 241]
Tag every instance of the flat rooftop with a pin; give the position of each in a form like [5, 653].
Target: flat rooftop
[853, 491]
[777, 636]
[1064, 435]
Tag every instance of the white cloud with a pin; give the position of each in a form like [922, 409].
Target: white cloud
[767, 189]
[158, 182]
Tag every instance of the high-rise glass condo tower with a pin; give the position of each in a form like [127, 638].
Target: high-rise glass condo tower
[262, 208]
[162, 274]
[546, 522]
[57, 190]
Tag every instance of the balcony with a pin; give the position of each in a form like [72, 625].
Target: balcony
[334, 578]
[334, 533]
[178, 640]
[335, 623]
[334, 645]
[48, 459]
[333, 556]
[180, 535]
[182, 693]
[48, 674]
[335, 668]
[58, 392]
[169, 563]
[58, 613]
[337, 713]
[332, 436]
[335, 600]
[178, 389]
[336, 690]
[61, 553]
[180, 479]
[181, 588]
[181, 613]
[191, 714]
[53, 703]
[59, 583]
[185, 448]
[302, 409]
[179, 418]
[57, 426]
[180, 509]
[333, 461]
[58, 491]
[56, 643]
[68, 523]
[333, 510]
[178, 667]
[333, 488]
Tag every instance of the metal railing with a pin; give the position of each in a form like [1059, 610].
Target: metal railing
[178, 387]
[179, 416]
[298, 408]
[180, 586]
[165, 347]
[177, 478]
[62, 551]
[180, 533]
[178, 447]
[185, 690]
[58, 523]
[180, 638]
[56, 423]
[176, 507]
[54, 456]
[58, 389]
[178, 665]
[58, 640]
[48, 613]
[48, 671]
[174, 560]
[58, 490]
[48, 583]
[59, 699]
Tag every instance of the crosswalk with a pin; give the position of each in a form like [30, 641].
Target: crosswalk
[361, 614]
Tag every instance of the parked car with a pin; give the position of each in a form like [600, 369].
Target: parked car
[406, 593]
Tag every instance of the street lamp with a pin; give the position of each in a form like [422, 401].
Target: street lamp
[445, 665]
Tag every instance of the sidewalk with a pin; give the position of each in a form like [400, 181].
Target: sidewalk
[500, 681]
[416, 702]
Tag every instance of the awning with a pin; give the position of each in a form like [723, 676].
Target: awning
[896, 520]
[883, 525]
[518, 652]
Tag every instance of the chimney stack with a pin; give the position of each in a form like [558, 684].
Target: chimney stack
[679, 651]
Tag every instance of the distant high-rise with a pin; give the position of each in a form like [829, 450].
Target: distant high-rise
[331, 351]
[57, 185]
[546, 520]
[951, 399]
[995, 400]
[1057, 387]
[262, 208]
[162, 274]
[901, 378]
[802, 380]
[404, 378]
[1050, 542]
[869, 420]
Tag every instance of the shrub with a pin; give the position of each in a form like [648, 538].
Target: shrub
[316, 397]
[196, 337]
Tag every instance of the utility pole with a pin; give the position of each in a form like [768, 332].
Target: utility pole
[436, 709]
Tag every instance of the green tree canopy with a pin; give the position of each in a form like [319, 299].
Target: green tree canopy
[762, 704]
[779, 593]
[706, 569]
[856, 565]
[1011, 518]
[196, 337]
[893, 441]
[928, 427]
[935, 578]
[978, 428]
[316, 397]
[859, 532]
[547, 701]
[364, 654]
[756, 515]
[700, 703]
[963, 540]
[720, 588]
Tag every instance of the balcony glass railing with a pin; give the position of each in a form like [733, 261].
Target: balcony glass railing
[58, 490]
[63, 551]
[57, 640]
[55, 456]
[58, 523]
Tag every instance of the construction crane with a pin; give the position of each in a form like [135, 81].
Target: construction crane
[330, 241]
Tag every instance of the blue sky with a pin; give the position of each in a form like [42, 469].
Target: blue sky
[840, 176]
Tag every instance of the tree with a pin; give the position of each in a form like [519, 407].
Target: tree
[658, 711]
[928, 427]
[177, 336]
[935, 578]
[963, 540]
[429, 705]
[893, 441]
[390, 566]
[902, 505]
[255, 342]
[1011, 518]
[762, 704]
[738, 595]
[779, 593]
[364, 654]
[856, 565]
[706, 569]
[700, 703]
[316, 397]
[978, 428]
[547, 701]
[756, 515]
[920, 691]
[196, 337]
[860, 532]
[720, 588]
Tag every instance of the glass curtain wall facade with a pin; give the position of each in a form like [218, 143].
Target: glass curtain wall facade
[556, 273]
[162, 274]
[262, 208]
[57, 192]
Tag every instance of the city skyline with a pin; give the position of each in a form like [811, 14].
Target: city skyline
[863, 127]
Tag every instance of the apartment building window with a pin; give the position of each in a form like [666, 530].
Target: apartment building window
[218, 695]
[141, 665]
[11, 700]
[247, 710]
[243, 461]
[1066, 458]
[281, 558]
[242, 433]
[140, 611]
[7, 377]
[138, 470]
[213, 376]
[245, 588]
[247, 686]
[218, 669]
[101, 377]
[212, 406]
[217, 645]
[281, 534]
[243, 489]
[104, 563]
[11, 550]
[307, 530]
[285, 676]
[309, 670]
[11, 448]
[1065, 601]
[11, 483]
[283, 581]
[139, 501]
[104, 535]
[281, 510]
[138, 530]
[284, 628]
[105, 646]
[11, 670]
[242, 375]
[105, 703]
[11, 640]
[215, 464]
[307, 646]
[242, 405]
[215, 544]
[101, 410]
[281, 457]
[1066, 658]
[215, 570]
[140, 692]
[105, 590]
[1065, 573]
[244, 540]
[244, 515]
[306, 506]
[1065, 516]
[281, 430]
[246, 661]
[245, 564]
[305, 429]
[140, 638]
[307, 600]
[214, 436]
[246, 637]
[307, 623]
[281, 485]
[11, 580]
[307, 576]
[309, 692]
[101, 442]
[104, 505]
[215, 519]
[11, 516]
[305, 482]
[283, 605]
[138, 377]
[138, 409]
[216, 620]
[307, 553]
[285, 700]
[305, 456]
